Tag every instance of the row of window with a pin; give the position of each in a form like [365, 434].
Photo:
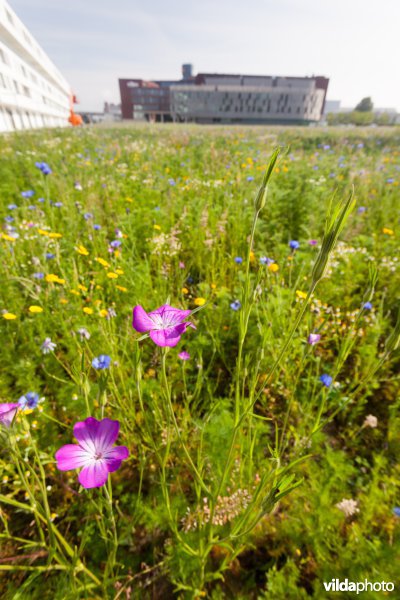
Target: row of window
[12, 119]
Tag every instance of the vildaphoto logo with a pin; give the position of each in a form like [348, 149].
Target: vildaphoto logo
[358, 586]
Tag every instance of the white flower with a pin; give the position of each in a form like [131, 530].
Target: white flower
[83, 332]
[348, 507]
[370, 421]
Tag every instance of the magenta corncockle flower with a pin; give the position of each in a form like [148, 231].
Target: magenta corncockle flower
[184, 355]
[165, 324]
[94, 451]
[313, 338]
[8, 411]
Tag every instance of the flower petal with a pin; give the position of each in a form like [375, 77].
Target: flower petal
[168, 337]
[94, 475]
[170, 316]
[71, 456]
[107, 433]
[85, 432]
[141, 321]
[115, 456]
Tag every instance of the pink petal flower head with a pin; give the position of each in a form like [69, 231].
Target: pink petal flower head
[94, 452]
[184, 355]
[313, 338]
[8, 410]
[165, 324]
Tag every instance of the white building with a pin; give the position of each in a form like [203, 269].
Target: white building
[33, 93]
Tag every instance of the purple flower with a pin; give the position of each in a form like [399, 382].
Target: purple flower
[250, 178]
[313, 338]
[326, 380]
[58, 204]
[29, 400]
[396, 511]
[9, 219]
[12, 206]
[367, 305]
[235, 305]
[48, 346]
[361, 209]
[101, 362]
[44, 167]
[264, 260]
[313, 242]
[294, 244]
[238, 260]
[115, 244]
[165, 324]
[88, 216]
[94, 452]
[171, 182]
[390, 180]
[28, 194]
[184, 355]
[96, 227]
[50, 255]
[38, 275]
[8, 411]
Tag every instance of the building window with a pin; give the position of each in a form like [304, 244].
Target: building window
[3, 57]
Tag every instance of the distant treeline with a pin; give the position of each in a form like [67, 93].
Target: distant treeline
[357, 117]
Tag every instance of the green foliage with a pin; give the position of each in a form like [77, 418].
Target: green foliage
[239, 457]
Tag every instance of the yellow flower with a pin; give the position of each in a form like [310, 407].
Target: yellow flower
[119, 271]
[82, 287]
[112, 275]
[43, 232]
[35, 309]
[88, 311]
[156, 227]
[387, 231]
[185, 291]
[9, 238]
[75, 292]
[9, 316]
[103, 312]
[128, 200]
[301, 294]
[82, 250]
[273, 267]
[51, 278]
[55, 235]
[121, 288]
[63, 301]
[200, 301]
[252, 256]
[213, 286]
[102, 262]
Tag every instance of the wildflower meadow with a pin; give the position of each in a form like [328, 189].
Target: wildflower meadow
[199, 384]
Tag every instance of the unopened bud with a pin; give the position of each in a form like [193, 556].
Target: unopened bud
[261, 197]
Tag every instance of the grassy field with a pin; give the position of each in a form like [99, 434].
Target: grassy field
[257, 449]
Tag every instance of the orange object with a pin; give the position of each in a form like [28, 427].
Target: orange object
[74, 119]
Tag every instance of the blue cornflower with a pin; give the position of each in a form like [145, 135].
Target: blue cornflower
[171, 181]
[12, 206]
[294, 244]
[326, 380]
[58, 204]
[390, 180]
[88, 216]
[235, 305]
[115, 244]
[44, 167]
[41, 200]
[326, 147]
[101, 362]
[38, 275]
[50, 255]
[9, 219]
[396, 511]
[250, 178]
[96, 227]
[238, 260]
[31, 207]
[28, 194]
[361, 209]
[367, 305]
[29, 400]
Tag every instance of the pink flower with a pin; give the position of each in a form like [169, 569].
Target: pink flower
[165, 324]
[94, 452]
[184, 355]
[313, 338]
[7, 413]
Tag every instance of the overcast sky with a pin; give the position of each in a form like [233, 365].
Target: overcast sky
[356, 43]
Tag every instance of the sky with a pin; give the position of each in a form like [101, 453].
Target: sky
[94, 42]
